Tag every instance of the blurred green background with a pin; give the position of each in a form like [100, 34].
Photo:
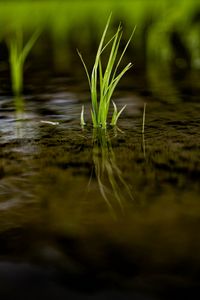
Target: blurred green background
[167, 35]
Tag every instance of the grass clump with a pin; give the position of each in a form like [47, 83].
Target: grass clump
[18, 55]
[102, 83]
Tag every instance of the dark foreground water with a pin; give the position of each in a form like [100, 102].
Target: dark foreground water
[100, 215]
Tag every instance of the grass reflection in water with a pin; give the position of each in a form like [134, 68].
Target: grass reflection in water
[112, 186]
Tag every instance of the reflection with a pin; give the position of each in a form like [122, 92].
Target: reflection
[19, 105]
[112, 186]
[143, 145]
[143, 137]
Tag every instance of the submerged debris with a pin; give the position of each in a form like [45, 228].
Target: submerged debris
[49, 122]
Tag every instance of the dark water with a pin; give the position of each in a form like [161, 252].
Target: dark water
[100, 215]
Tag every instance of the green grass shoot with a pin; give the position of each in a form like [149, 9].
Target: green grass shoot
[102, 83]
[18, 55]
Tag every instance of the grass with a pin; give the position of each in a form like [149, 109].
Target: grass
[156, 20]
[102, 83]
[18, 55]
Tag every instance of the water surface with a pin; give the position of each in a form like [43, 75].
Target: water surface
[95, 214]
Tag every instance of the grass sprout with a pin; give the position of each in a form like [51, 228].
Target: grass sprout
[102, 83]
[82, 116]
[18, 55]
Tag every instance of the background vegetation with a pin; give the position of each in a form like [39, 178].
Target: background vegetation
[167, 34]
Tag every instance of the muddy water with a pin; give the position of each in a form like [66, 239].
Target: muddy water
[95, 214]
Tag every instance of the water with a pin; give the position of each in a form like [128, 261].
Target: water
[100, 215]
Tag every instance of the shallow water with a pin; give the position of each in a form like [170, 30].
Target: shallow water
[94, 214]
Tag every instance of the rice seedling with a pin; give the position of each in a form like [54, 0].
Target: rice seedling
[102, 83]
[18, 55]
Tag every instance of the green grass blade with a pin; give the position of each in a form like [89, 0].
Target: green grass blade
[85, 67]
[29, 45]
[100, 78]
[107, 44]
[104, 103]
[117, 79]
[82, 116]
[94, 121]
[116, 114]
[125, 48]
[112, 57]
[94, 72]
[102, 40]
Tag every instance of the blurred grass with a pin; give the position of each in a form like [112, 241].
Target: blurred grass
[167, 31]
